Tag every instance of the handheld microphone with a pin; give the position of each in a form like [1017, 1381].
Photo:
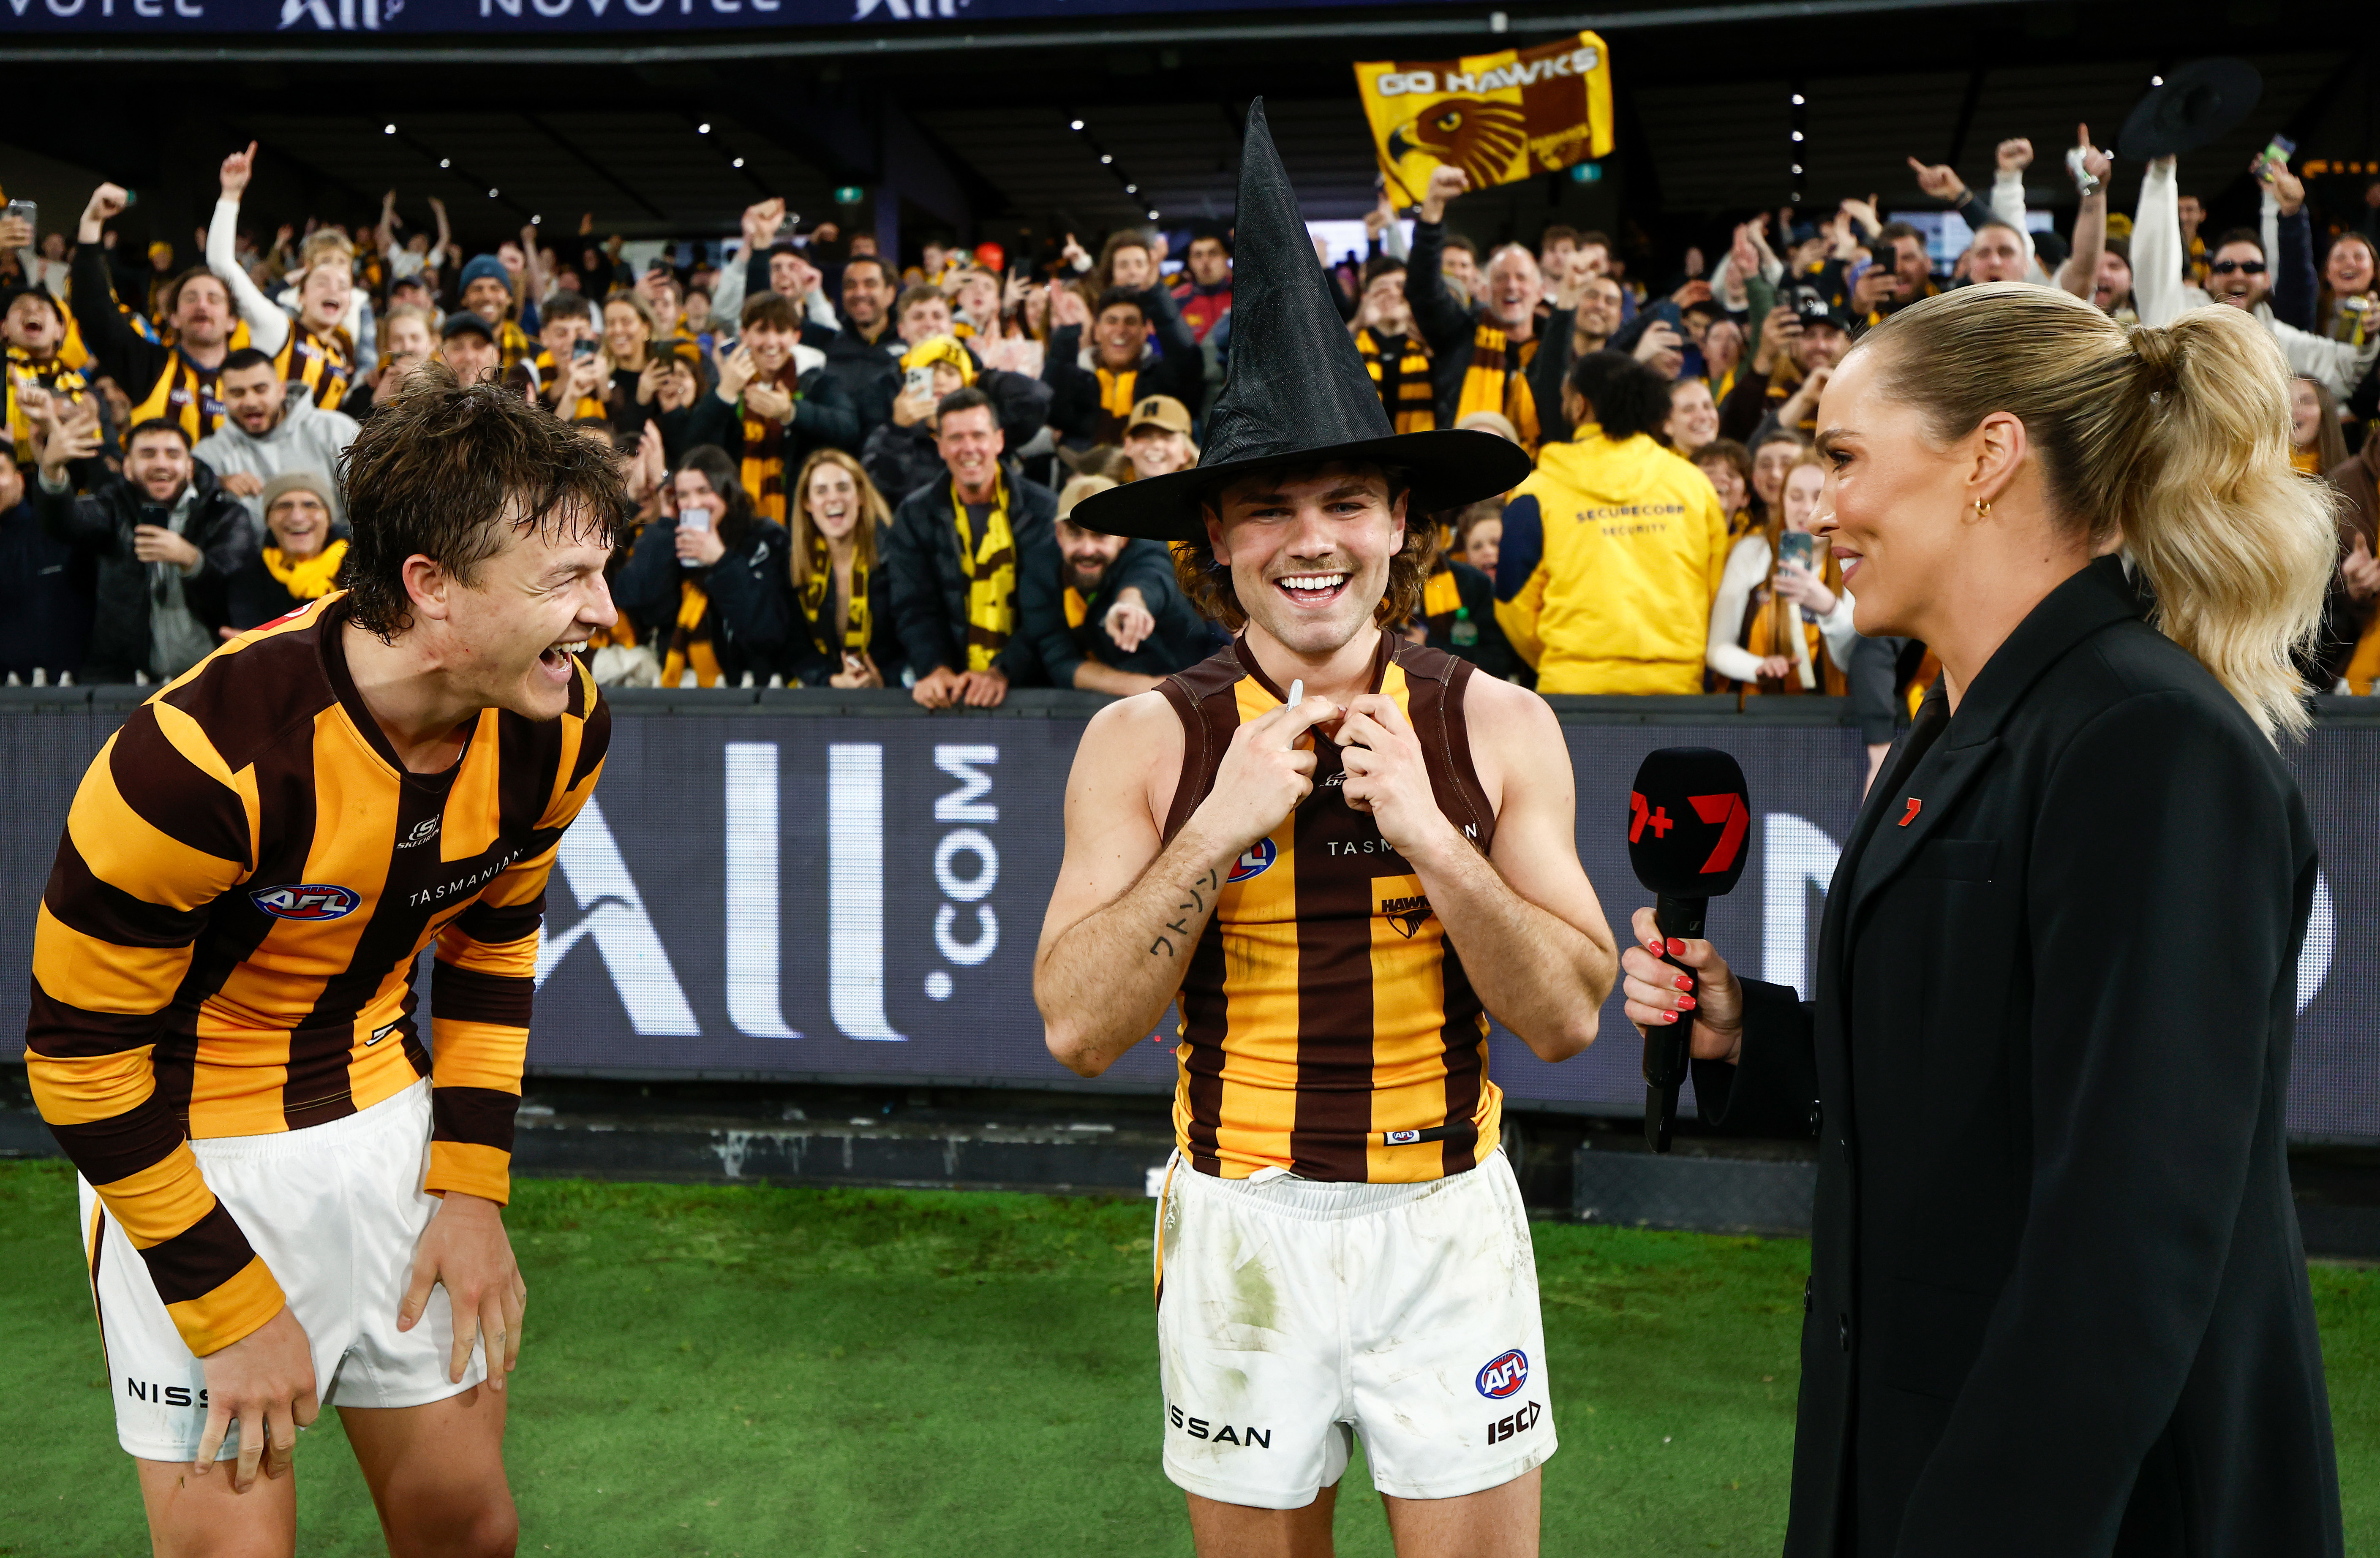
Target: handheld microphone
[1688, 819]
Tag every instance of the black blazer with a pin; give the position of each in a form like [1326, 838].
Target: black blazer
[2057, 1304]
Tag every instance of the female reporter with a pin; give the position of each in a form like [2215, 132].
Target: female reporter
[2057, 1304]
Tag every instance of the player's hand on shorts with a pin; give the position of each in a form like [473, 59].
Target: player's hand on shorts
[1265, 774]
[264, 1383]
[1386, 776]
[465, 1250]
[1658, 995]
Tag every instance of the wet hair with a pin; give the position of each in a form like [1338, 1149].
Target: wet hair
[452, 471]
[2174, 441]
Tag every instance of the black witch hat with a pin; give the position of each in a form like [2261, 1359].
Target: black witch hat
[1297, 391]
[2199, 103]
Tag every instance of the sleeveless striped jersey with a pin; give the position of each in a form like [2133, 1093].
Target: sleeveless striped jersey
[1326, 1026]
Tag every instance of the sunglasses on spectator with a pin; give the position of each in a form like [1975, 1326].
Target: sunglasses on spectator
[2248, 267]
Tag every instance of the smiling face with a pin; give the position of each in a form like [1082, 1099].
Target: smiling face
[925, 320]
[159, 464]
[1725, 481]
[866, 292]
[1386, 306]
[833, 498]
[1515, 286]
[1155, 451]
[771, 347]
[1598, 310]
[1089, 555]
[1694, 416]
[32, 326]
[471, 355]
[970, 443]
[322, 302]
[624, 333]
[2305, 413]
[253, 396]
[202, 312]
[2349, 267]
[1892, 502]
[1309, 550]
[512, 631]
[1120, 335]
[300, 524]
[2238, 286]
[1770, 463]
[487, 297]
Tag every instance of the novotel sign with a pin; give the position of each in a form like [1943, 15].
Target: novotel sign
[314, 18]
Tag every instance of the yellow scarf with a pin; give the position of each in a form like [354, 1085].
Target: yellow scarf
[693, 605]
[1498, 380]
[62, 381]
[990, 567]
[764, 471]
[309, 578]
[1115, 403]
[820, 582]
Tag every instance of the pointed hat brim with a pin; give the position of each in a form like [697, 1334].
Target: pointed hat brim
[1445, 469]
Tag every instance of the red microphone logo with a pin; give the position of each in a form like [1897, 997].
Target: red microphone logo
[1729, 810]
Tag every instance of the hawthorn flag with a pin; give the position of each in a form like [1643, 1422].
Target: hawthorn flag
[1499, 117]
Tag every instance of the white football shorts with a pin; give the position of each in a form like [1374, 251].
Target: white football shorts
[1293, 1314]
[334, 1211]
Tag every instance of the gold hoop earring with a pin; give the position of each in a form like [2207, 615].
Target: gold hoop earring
[1983, 508]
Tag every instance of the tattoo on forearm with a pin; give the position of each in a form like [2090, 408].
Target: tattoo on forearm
[1197, 905]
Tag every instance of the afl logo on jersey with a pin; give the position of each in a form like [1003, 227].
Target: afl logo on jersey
[1252, 862]
[1504, 1375]
[307, 900]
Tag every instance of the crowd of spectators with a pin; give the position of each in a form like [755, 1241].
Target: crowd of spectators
[852, 472]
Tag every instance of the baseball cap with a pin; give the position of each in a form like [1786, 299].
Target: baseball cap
[1163, 411]
[462, 319]
[1811, 307]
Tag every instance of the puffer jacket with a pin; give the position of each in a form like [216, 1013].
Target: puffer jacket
[100, 523]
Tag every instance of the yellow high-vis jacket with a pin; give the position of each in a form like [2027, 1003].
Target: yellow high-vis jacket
[1611, 554]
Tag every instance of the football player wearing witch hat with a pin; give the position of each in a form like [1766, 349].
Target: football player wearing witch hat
[1337, 852]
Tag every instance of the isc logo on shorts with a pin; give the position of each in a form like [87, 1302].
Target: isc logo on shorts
[306, 900]
[1252, 860]
[1504, 1375]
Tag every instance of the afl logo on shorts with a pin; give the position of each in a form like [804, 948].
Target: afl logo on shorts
[1504, 1375]
[1252, 862]
[307, 900]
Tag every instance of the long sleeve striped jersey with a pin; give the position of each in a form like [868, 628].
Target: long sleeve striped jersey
[227, 942]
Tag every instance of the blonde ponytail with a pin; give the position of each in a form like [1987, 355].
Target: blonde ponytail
[2175, 439]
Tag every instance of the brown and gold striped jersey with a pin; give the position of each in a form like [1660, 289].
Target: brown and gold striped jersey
[227, 945]
[1328, 1027]
[324, 364]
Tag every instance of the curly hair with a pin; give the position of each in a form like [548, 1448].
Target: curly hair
[1207, 583]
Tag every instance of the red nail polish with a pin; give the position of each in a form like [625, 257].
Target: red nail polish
[1685, 1003]
[1669, 1017]
[1677, 948]
[1682, 982]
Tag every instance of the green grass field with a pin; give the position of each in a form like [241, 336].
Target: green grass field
[714, 1371]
